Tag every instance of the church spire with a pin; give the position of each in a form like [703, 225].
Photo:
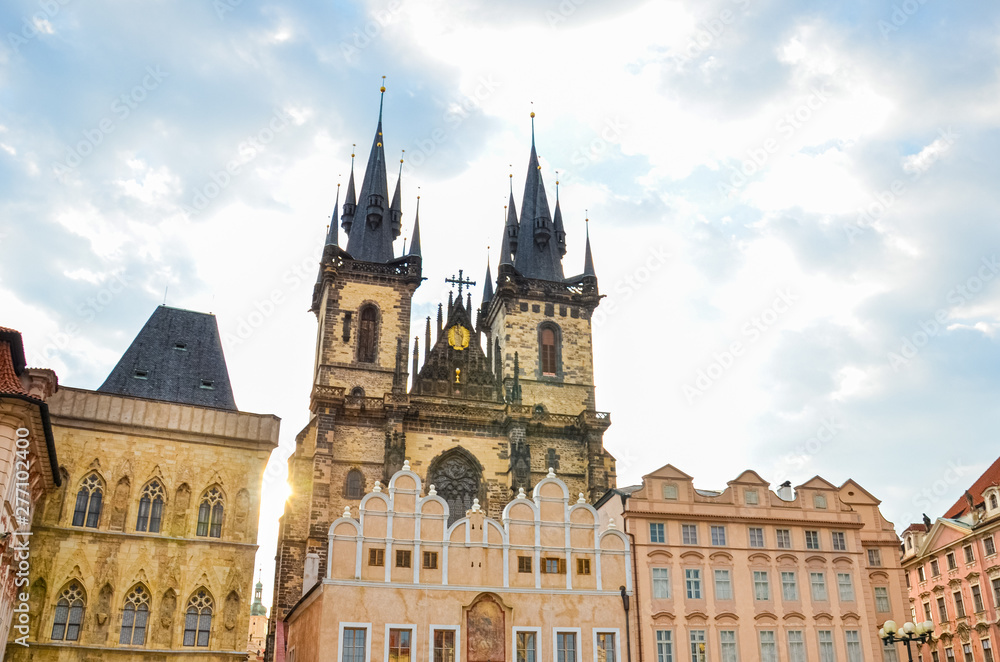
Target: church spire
[536, 255]
[510, 229]
[331, 235]
[351, 201]
[557, 224]
[487, 287]
[588, 257]
[415, 241]
[396, 209]
[371, 239]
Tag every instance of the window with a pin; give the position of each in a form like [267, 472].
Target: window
[583, 566]
[524, 564]
[548, 351]
[692, 582]
[69, 614]
[697, 639]
[527, 647]
[783, 538]
[949, 654]
[817, 585]
[354, 645]
[967, 651]
[768, 647]
[874, 558]
[812, 539]
[845, 587]
[819, 501]
[664, 646]
[399, 642]
[906, 575]
[935, 569]
[376, 557]
[996, 591]
[993, 501]
[88, 503]
[402, 558]
[942, 610]
[368, 335]
[554, 566]
[789, 587]
[927, 612]
[959, 604]
[134, 617]
[719, 536]
[854, 653]
[977, 598]
[723, 585]
[796, 646]
[756, 536]
[150, 508]
[750, 497]
[198, 620]
[670, 491]
[920, 572]
[444, 646]
[727, 645]
[839, 541]
[761, 586]
[661, 583]
[208, 383]
[355, 484]
[988, 543]
[689, 534]
[210, 514]
[969, 556]
[826, 646]
[889, 653]
[606, 647]
[565, 647]
[909, 542]
[935, 656]
[657, 533]
[987, 646]
[141, 374]
[952, 564]
[882, 599]
[431, 560]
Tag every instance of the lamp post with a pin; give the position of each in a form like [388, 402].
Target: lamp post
[921, 633]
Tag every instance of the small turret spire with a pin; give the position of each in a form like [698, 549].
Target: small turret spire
[557, 224]
[427, 336]
[396, 209]
[416, 356]
[351, 201]
[588, 257]
[415, 241]
[332, 234]
[440, 321]
[487, 287]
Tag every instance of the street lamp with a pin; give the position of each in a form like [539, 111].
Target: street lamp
[921, 633]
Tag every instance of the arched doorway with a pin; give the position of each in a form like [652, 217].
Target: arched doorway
[457, 477]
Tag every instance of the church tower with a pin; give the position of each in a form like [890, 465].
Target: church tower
[499, 395]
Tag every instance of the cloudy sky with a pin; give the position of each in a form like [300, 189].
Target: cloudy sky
[793, 205]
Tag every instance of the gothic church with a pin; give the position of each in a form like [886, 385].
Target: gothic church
[499, 395]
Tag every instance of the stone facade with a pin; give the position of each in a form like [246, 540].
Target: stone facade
[749, 574]
[545, 575]
[112, 565]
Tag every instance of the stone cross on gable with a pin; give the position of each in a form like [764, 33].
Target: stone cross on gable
[461, 282]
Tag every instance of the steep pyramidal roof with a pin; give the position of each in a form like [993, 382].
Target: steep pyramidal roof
[177, 357]
[588, 257]
[415, 240]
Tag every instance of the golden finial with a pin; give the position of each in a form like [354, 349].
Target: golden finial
[382, 89]
[401, 156]
[353, 149]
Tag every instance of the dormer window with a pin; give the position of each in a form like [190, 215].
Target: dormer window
[993, 501]
[141, 374]
[207, 383]
[180, 346]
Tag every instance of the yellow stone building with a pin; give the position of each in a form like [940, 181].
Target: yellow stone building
[147, 550]
[501, 394]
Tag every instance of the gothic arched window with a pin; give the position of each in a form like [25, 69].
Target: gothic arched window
[88, 502]
[456, 478]
[355, 484]
[548, 354]
[150, 508]
[368, 334]
[69, 614]
[210, 514]
[134, 617]
[198, 619]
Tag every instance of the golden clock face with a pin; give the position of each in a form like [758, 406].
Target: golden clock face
[458, 337]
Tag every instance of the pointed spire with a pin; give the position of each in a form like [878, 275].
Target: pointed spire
[331, 235]
[536, 255]
[488, 287]
[351, 201]
[427, 338]
[396, 209]
[515, 389]
[557, 224]
[440, 321]
[588, 257]
[415, 241]
[416, 356]
[371, 239]
[468, 302]
[510, 229]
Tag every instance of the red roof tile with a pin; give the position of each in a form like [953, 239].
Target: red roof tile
[9, 381]
[916, 526]
[990, 477]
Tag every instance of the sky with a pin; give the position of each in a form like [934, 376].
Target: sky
[793, 206]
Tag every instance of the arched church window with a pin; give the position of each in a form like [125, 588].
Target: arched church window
[134, 617]
[150, 508]
[457, 481]
[198, 619]
[548, 351]
[88, 502]
[355, 484]
[69, 614]
[210, 514]
[368, 335]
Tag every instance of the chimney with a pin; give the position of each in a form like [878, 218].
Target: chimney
[311, 573]
[785, 491]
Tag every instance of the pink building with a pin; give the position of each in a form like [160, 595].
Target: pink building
[953, 574]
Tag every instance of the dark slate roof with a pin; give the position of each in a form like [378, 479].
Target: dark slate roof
[537, 253]
[177, 357]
